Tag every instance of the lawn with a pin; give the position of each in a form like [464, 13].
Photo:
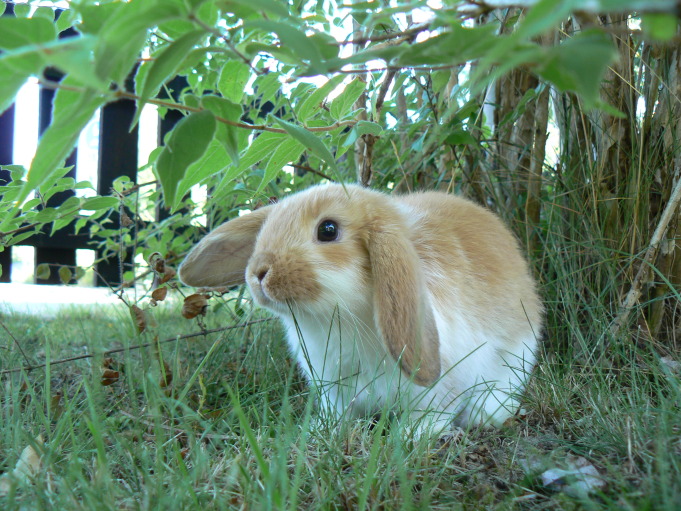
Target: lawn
[225, 421]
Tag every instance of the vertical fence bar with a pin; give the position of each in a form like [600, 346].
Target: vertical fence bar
[6, 146]
[118, 148]
[6, 158]
[167, 123]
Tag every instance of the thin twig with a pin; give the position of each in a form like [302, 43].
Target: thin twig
[134, 188]
[314, 171]
[178, 106]
[16, 341]
[409, 33]
[136, 347]
[227, 40]
[644, 270]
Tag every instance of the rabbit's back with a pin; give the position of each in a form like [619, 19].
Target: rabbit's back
[473, 265]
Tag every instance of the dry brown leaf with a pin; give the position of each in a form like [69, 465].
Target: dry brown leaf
[27, 467]
[56, 405]
[194, 305]
[168, 274]
[159, 294]
[125, 220]
[157, 262]
[139, 318]
[580, 477]
[109, 377]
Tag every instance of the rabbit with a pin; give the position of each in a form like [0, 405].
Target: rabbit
[421, 300]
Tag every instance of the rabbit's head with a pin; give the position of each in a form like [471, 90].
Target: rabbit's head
[327, 248]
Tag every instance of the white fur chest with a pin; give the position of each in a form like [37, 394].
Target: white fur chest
[345, 360]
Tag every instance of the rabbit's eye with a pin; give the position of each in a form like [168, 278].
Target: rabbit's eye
[327, 231]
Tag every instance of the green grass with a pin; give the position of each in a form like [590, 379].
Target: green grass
[234, 428]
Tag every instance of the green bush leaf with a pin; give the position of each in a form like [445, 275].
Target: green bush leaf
[65, 274]
[167, 63]
[275, 7]
[123, 36]
[310, 141]
[21, 32]
[186, 143]
[294, 40]
[344, 102]
[312, 103]
[10, 83]
[233, 78]
[659, 26]
[578, 64]
[42, 271]
[214, 160]
[226, 134]
[287, 152]
[71, 112]
[96, 203]
[74, 56]
[263, 145]
[362, 128]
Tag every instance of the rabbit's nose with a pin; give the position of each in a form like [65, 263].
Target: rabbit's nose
[262, 273]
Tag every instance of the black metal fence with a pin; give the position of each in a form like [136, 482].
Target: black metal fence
[118, 156]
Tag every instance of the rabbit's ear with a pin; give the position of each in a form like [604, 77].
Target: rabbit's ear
[402, 313]
[220, 259]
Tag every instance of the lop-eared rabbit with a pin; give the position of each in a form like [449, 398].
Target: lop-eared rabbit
[421, 300]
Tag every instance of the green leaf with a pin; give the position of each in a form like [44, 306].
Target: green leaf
[344, 102]
[60, 223]
[457, 45]
[214, 160]
[74, 56]
[80, 273]
[287, 152]
[65, 20]
[96, 203]
[543, 16]
[20, 32]
[42, 271]
[94, 16]
[123, 36]
[69, 206]
[71, 112]
[659, 26]
[266, 87]
[461, 137]
[10, 83]
[186, 143]
[44, 12]
[326, 45]
[167, 63]
[263, 145]
[233, 78]
[65, 274]
[22, 10]
[579, 63]
[226, 134]
[312, 103]
[310, 141]
[294, 40]
[276, 7]
[362, 128]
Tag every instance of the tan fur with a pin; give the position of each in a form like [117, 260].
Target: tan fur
[421, 263]
[221, 257]
[474, 248]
